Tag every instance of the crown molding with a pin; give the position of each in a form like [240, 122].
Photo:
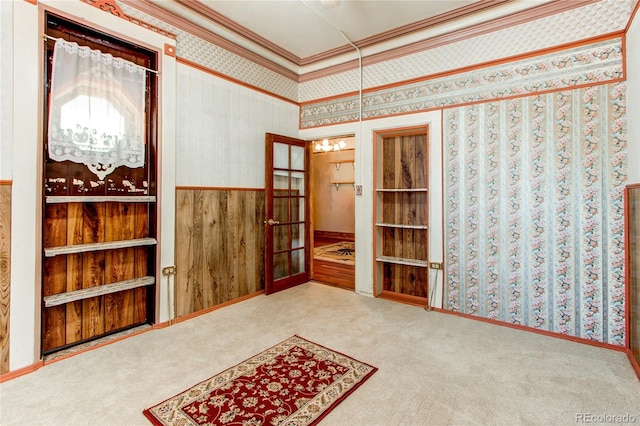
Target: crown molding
[518, 18]
[152, 9]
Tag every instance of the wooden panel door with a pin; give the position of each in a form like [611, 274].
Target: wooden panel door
[286, 212]
[81, 209]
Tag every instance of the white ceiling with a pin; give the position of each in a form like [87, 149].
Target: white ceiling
[293, 32]
[299, 26]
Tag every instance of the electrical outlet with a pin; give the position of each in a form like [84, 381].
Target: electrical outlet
[358, 189]
[435, 265]
[168, 270]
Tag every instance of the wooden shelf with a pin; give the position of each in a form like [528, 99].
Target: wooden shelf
[52, 199]
[402, 261]
[110, 245]
[338, 163]
[337, 183]
[401, 190]
[100, 290]
[401, 226]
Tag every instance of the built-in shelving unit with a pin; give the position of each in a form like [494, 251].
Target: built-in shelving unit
[342, 175]
[401, 206]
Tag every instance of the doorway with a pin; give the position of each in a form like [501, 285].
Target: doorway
[98, 230]
[333, 216]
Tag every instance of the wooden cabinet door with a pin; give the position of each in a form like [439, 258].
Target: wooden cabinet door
[80, 209]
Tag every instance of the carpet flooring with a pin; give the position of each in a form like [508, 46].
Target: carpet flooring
[433, 368]
[296, 382]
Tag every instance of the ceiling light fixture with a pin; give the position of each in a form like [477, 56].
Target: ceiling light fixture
[326, 145]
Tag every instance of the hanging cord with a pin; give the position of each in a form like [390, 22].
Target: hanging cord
[359, 59]
[433, 289]
[157, 73]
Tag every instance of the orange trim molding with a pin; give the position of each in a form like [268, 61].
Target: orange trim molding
[216, 307]
[535, 330]
[169, 50]
[111, 7]
[107, 6]
[35, 2]
[21, 371]
[215, 188]
[634, 363]
[233, 80]
[6, 182]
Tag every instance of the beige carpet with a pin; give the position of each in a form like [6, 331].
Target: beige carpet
[434, 368]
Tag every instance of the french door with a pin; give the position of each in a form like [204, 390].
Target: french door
[286, 212]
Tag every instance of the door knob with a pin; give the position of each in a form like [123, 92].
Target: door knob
[272, 222]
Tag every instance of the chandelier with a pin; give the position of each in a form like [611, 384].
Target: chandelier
[327, 145]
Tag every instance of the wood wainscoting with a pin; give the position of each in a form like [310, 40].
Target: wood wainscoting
[5, 272]
[337, 274]
[219, 246]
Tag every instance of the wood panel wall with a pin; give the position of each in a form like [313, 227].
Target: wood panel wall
[403, 167]
[5, 274]
[219, 246]
[84, 223]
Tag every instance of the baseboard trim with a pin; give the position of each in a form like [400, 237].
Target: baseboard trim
[535, 330]
[21, 371]
[403, 298]
[216, 307]
[634, 363]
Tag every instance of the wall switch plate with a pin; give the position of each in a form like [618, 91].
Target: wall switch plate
[435, 265]
[358, 189]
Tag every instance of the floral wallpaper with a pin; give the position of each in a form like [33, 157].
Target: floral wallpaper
[573, 67]
[534, 228]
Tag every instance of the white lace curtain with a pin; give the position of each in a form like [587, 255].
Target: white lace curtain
[96, 115]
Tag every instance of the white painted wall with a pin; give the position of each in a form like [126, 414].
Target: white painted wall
[6, 90]
[365, 262]
[221, 130]
[633, 100]
[26, 124]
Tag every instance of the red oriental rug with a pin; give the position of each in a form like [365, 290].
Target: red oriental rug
[296, 382]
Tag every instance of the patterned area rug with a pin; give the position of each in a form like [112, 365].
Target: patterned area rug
[296, 382]
[342, 252]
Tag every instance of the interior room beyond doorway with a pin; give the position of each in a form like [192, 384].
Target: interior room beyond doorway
[333, 214]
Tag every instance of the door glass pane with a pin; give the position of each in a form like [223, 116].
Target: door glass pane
[281, 210]
[297, 235]
[297, 209]
[297, 261]
[280, 237]
[297, 183]
[280, 268]
[297, 157]
[280, 182]
[280, 156]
